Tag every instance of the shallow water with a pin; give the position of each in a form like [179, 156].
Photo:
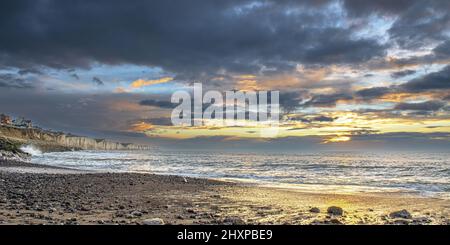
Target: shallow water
[341, 172]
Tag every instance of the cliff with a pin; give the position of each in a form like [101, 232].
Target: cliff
[55, 141]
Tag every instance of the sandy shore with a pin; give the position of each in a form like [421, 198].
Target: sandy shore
[33, 194]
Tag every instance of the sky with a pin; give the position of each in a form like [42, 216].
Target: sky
[351, 73]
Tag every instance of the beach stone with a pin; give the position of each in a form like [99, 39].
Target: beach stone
[154, 221]
[85, 209]
[336, 222]
[334, 210]
[404, 214]
[314, 210]
[422, 220]
[401, 222]
[136, 213]
[120, 214]
[233, 221]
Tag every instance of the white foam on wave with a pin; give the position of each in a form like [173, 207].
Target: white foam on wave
[30, 149]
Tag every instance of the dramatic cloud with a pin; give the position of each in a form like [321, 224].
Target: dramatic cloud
[323, 119]
[365, 7]
[197, 37]
[289, 101]
[443, 50]
[371, 93]
[327, 100]
[435, 80]
[400, 74]
[421, 23]
[418, 23]
[423, 106]
[158, 103]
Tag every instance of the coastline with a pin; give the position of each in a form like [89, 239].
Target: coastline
[37, 194]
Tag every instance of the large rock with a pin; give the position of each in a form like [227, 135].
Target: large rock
[335, 210]
[404, 214]
[10, 151]
[154, 221]
[233, 221]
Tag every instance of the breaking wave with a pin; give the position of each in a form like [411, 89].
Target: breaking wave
[30, 149]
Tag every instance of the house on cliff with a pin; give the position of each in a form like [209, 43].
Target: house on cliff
[22, 123]
[19, 122]
[5, 119]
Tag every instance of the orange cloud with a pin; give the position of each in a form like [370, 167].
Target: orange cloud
[337, 139]
[141, 127]
[120, 90]
[246, 82]
[142, 83]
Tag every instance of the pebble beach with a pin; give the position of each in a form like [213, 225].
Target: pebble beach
[37, 194]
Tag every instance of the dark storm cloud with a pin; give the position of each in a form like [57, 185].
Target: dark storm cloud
[400, 74]
[421, 23]
[372, 93]
[163, 121]
[289, 101]
[443, 50]
[432, 105]
[304, 119]
[431, 81]
[158, 103]
[327, 100]
[365, 7]
[188, 38]
[417, 23]
[323, 119]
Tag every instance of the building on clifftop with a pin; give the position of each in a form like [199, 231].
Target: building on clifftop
[22, 123]
[5, 119]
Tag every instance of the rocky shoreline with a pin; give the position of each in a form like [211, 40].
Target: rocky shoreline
[56, 196]
[10, 151]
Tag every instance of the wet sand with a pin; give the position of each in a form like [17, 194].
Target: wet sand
[36, 194]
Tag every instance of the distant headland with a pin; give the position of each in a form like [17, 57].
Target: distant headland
[20, 131]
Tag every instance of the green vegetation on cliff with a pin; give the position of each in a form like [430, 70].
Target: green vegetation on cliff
[9, 146]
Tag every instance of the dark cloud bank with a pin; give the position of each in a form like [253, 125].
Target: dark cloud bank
[186, 37]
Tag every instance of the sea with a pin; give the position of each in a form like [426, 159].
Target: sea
[420, 173]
